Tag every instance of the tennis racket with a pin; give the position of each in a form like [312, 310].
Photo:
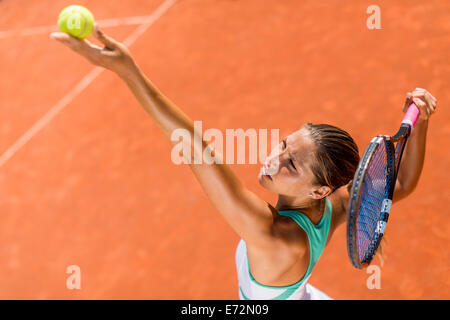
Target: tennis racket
[372, 190]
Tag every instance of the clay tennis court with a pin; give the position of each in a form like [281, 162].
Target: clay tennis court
[92, 183]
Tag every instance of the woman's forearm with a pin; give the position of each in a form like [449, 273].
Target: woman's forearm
[166, 115]
[413, 157]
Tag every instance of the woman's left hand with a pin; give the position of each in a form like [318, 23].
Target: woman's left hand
[423, 100]
[114, 56]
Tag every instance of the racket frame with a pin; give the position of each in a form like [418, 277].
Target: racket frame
[355, 197]
[395, 152]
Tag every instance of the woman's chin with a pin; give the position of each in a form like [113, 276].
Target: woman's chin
[260, 179]
[264, 180]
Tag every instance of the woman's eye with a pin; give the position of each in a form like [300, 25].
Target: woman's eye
[292, 164]
[290, 160]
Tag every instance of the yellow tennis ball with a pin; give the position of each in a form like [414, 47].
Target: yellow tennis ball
[76, 21]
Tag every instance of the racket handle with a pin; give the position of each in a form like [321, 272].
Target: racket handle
[411, 116]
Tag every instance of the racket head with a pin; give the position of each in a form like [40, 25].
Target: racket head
[370, 201]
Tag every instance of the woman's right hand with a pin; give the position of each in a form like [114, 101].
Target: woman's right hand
[115, 56]
[423, 100]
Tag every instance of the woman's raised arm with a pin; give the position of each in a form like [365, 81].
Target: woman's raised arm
[251, 217]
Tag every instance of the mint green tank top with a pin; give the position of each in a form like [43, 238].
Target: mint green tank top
[317, 234]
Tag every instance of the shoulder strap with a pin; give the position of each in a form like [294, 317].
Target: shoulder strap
[317, 234]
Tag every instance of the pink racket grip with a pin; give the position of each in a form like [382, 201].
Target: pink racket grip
[411, 116]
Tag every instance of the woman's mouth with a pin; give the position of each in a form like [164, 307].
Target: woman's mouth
[264, 173]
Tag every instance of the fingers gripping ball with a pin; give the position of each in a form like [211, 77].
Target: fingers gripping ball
[76, 21]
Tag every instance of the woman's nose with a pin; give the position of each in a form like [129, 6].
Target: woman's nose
[272, 163]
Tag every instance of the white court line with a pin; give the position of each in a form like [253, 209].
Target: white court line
[108, 23]
[80, 86]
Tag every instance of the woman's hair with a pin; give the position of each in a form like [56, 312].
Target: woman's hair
[336, 156]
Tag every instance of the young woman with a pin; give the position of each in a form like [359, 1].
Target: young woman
[310, 171]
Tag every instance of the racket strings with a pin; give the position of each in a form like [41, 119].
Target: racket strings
[372, 196]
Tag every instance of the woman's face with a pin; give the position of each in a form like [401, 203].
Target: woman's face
[287, 168]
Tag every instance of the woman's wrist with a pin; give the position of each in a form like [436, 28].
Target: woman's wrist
[422, 122]
[129, 72]
[421, 128]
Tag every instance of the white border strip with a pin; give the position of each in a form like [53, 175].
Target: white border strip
[80, 86]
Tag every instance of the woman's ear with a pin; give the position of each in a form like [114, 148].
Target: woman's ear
[321, 192]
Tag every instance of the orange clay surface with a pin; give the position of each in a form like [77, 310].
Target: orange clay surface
[96, 186]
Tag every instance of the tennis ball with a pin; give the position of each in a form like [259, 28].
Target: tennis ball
[76, 21]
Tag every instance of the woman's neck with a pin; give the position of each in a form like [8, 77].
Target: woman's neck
[312, 208]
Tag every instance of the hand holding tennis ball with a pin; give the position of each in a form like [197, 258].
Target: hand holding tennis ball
[76, 21]
[113, 56]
